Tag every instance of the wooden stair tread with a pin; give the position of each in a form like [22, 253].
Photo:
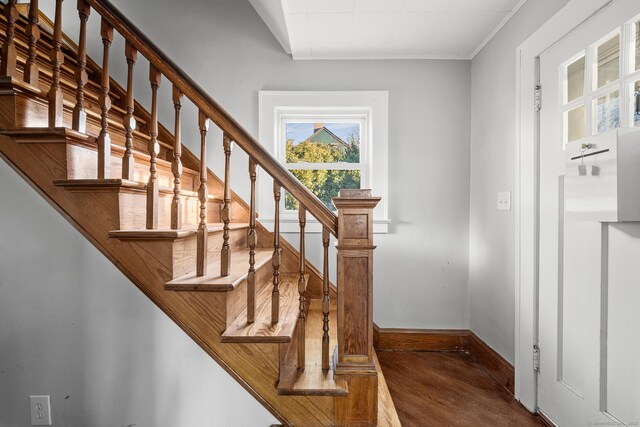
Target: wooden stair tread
[46, 135]
[262, 330]
[169, 234]
[88, 184]
[313, 381]
[214, 282]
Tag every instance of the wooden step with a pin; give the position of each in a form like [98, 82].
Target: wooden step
[313, 381]
[262, 330]
[168, 234]
[214, 282]
[47, 135]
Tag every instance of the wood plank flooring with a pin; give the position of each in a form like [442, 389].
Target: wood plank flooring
[449, 389]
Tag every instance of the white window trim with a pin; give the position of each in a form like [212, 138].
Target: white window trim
[370, 106]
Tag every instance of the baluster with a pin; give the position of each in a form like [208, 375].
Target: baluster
[8, 64]
[104, 140]
[325, 300]
[31, 72]
[129, 121]
[202, 233]
[176, 165]
[302, 217]
[57, 59]
[153, 148]
[275, 261]
[225, 254]
[79, 120]
[252, 240]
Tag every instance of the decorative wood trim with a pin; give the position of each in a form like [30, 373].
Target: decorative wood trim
[395, 339]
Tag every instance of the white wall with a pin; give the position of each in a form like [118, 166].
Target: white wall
[74, 327]
[492, 247]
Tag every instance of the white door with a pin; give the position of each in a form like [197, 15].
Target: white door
[589, 272]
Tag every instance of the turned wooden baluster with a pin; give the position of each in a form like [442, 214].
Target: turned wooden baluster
[225, 254]
[57, 59]
[153, 148]
[129, 121]
[176, 165]
[325, 300]
[275, 260]
[252, 239]
[8, 64]
[31, 72]
[79, 120]
[202, 233]
[104, 139]
[302, 217]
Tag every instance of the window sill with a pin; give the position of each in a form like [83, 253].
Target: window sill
[291, 225]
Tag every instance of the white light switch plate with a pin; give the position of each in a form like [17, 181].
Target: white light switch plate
[40, 410]
[504, 201]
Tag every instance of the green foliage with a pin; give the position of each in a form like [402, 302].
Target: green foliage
[323, 183]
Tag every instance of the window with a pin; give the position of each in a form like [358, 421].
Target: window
[329, 141]
[601, 85]
[324, 153]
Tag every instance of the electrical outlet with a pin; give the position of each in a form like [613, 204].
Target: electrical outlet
[504, 201]
[40, 410]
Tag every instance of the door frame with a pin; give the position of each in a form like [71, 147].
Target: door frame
[572, 15]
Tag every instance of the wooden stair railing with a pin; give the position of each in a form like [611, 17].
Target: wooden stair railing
[354, 358]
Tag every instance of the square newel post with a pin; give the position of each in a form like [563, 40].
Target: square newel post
[354, 359]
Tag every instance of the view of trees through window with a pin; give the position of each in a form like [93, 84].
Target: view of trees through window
[320, 146]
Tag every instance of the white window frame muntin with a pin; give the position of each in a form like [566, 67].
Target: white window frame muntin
[373, 104]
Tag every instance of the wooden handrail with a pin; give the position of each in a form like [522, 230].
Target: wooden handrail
[216, 113]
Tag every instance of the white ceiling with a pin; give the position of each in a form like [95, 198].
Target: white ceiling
[383, 29]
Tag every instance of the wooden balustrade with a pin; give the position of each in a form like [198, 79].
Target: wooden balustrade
[202, 233]
[79, 117]
[325, 299]
[31, 71]
[153, 148]
[57, 59]
[129, 120]
[9, 55]
[176, 165]
[252, 240]
[275, 260]
[225, 214]
[302, 218]
[104, 139]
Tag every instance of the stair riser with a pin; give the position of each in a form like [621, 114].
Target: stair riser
[237, 299]
[184, 250]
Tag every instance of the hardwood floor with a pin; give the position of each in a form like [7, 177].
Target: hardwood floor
[449, 389]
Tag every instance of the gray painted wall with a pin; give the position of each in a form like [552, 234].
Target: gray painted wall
[94, 345]
[74, 327]
[492, 245]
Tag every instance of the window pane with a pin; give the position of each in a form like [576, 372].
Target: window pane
[322, 142]
[574, 120]
[607, 112]
[637, 26]
[609, 61]
[324, 183]
[636, 104]
[575, 80]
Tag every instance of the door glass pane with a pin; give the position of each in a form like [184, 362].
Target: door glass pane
[575, 80]
[608, 61]
[574, 124]
[607, 112]
[637, 45]
[636, 104]
[323, 183]
[318, 142]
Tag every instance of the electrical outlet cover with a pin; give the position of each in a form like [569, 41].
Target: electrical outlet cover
[40, 410]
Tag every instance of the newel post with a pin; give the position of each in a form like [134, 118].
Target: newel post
[354, 357]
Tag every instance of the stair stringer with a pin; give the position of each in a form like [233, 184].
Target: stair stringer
[200, 315]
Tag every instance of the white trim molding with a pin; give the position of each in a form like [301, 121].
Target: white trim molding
[527, 195]
[372, 107]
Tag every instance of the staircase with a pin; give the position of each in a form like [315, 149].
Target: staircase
[299, 345]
